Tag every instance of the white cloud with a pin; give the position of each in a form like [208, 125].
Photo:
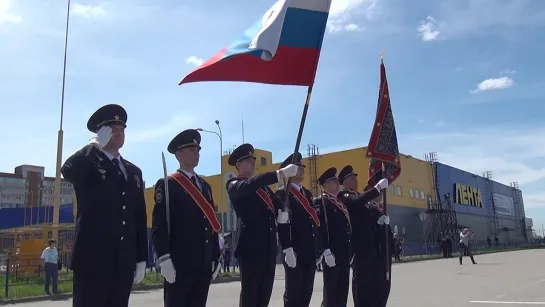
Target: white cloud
[342, 12]
[88, 11]
[428, 29]
[195, 61]
[6, 16]
[494, 84]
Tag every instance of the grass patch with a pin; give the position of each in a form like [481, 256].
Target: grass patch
[34, 286]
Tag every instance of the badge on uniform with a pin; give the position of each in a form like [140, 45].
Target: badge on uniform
[103, 173]
[137, 179]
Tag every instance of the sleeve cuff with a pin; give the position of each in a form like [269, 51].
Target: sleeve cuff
[164, 258]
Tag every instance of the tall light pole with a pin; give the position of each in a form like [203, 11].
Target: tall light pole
[57, 196]
[220, 136]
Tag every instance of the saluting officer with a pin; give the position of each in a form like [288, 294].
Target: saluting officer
[111, 246]
[186, 242]
[256, 207]
[302, 249]
[335, 235]
[363, 244]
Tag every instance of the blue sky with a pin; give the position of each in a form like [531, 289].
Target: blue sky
[466, 81]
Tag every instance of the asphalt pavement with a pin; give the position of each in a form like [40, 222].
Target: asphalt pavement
[501, 279]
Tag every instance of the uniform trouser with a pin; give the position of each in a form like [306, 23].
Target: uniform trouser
[336, 283]
[189, 290]
[256, 279]
[299, 284]
[364, 288]
[102, 289]
[369, 285]
[383, 284]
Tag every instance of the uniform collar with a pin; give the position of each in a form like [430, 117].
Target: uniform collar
[297, 186]
[188, 174]
[110, 156]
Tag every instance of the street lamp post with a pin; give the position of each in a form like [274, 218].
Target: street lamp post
[57, 195]
[220, 136]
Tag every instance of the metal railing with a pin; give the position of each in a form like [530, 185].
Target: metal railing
[23, 275]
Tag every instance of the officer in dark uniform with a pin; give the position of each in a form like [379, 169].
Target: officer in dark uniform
[110, 249]
[258, 210]
[363, 244]
[383, 236]
[189, 255]
[304, 241]
[335, 232]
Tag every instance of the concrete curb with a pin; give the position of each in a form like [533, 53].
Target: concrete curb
[67, 296]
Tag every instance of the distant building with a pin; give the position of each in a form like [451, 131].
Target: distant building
[28, 187]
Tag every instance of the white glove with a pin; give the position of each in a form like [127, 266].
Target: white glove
[329, 258]
[382, 184]
[216, 265]
[283, 217]
[168, 271]
[287, 172]
[290, 258]
[383, 219]
[140, 272]
[102, 137]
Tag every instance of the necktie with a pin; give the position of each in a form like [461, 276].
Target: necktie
[194, 180]
[115, 161]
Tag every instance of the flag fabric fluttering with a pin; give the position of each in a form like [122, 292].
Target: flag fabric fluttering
[383, 147]
[283, 47]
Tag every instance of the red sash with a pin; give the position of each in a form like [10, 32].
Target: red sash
[199, 199]
[333, 199]
[305, 203]
[266, 198]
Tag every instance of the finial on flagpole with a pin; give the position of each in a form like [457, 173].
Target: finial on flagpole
[381, 56]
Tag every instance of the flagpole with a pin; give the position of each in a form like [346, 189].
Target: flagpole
[297, 144]
[57, 195]
[385, 207]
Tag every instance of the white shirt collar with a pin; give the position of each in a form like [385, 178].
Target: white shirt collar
[297, 186]
[188, 174]
[111, 157]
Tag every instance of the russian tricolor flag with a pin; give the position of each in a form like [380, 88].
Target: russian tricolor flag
[283, 47]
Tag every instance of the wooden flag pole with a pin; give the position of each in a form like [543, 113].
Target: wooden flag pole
[385, 208]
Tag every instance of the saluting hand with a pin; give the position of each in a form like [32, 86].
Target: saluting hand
[102, 137]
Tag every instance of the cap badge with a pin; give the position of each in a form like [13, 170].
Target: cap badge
[251, 153]
[195, 141]
[116, 117]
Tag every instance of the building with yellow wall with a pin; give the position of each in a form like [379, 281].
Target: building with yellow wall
[407, 197]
